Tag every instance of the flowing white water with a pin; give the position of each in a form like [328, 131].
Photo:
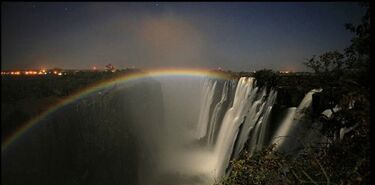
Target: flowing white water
[230, 124]
[306, 101]
[261, 139]
[284, 128]
[247, 114]
[217, 110]
[287, 133]
[257, 117]
[240, 119]
[248, 119]
[206, 101]
[185, 147]
[234, 119]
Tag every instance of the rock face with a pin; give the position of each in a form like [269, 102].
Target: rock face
[103, 138]
[290, 96]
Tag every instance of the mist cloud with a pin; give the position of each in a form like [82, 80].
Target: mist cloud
[171, 41]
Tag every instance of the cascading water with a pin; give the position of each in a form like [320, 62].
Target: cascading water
[231, 122]
[284, 127]
[216, 113]
[285, 137]
[245, 120]
[188, 147]
[259, 134]
[250, 107]
[204, 116]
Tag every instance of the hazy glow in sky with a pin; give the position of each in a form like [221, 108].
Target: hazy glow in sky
[233, 36]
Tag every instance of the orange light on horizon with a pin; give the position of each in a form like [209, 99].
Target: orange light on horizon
[284, 72]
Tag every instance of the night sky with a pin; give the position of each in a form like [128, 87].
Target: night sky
[233, 36]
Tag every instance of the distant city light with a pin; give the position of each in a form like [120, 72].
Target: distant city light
[57, 72]
[26, 72]
[284, 72]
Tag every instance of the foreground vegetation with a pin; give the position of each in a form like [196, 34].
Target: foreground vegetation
[344, 159]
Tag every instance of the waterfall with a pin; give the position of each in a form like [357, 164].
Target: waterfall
[206, 101]
[240, 117]
[230, 124]
[286, 137]
[261, 132]
[215, 115]
[257, 117]
[286, 124]
[114, 126]
[248, 105]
